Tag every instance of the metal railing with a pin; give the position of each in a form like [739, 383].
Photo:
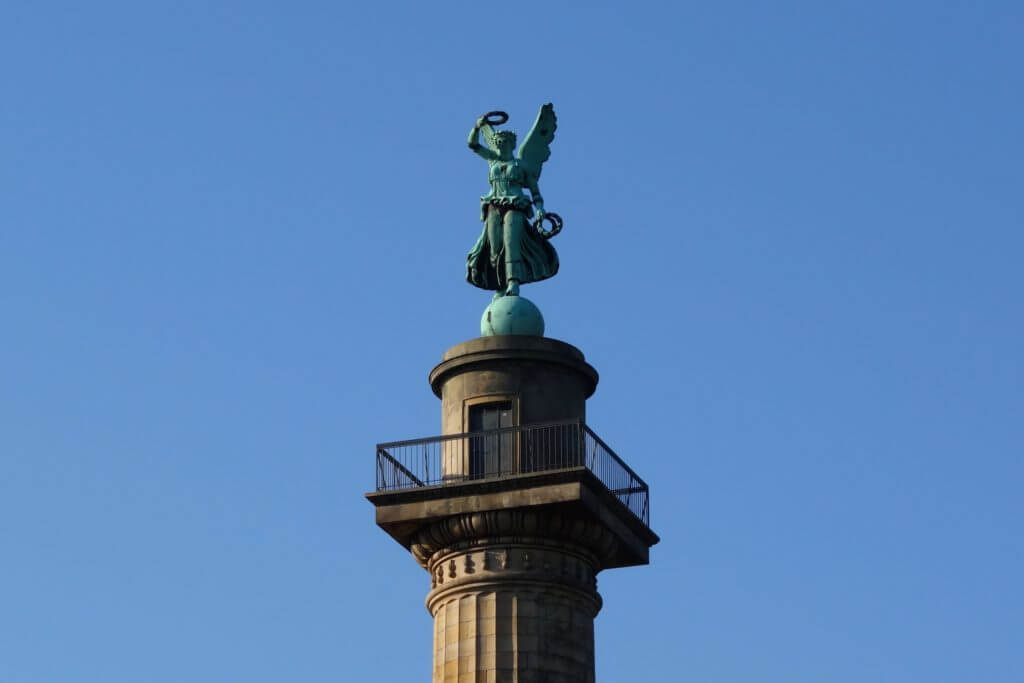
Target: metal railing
[509, 451]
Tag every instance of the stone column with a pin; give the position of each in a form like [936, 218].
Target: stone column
[513, 596]
[513, 549]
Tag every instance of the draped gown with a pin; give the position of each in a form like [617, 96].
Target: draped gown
[509, 247]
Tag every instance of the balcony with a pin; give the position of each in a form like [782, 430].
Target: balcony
[503, 455]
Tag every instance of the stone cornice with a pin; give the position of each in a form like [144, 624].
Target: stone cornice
[483, 350]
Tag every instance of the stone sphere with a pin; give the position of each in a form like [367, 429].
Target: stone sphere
[512, 315]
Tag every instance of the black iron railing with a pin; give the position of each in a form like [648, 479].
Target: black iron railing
[500, 453]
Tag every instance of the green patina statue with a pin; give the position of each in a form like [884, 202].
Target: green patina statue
[512, 250]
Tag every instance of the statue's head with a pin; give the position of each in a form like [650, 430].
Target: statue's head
[504, 141]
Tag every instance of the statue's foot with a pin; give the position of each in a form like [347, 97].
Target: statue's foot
[513, 288]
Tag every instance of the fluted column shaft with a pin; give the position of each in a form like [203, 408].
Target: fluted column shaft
[513, 613]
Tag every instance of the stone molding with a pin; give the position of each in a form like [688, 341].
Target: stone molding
[515, 567]
[484, 350]
[537, 527]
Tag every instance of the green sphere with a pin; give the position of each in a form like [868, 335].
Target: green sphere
[512, 315]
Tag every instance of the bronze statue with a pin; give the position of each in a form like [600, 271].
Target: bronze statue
[512, 250]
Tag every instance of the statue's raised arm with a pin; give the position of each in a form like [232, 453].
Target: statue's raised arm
[483, 124]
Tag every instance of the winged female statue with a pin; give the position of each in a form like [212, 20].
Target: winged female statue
[511, 250]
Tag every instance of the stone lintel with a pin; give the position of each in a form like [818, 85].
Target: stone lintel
[402, 513]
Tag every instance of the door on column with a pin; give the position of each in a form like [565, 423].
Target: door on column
[491, 454]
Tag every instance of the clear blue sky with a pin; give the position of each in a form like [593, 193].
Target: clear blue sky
[232, 242]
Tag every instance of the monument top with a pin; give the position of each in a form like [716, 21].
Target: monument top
[513, 248]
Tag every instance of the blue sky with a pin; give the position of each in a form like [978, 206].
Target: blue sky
[232, 243]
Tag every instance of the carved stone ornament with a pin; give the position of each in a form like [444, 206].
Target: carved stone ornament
[500, 526]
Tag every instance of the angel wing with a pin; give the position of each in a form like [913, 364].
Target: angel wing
[536, 147]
